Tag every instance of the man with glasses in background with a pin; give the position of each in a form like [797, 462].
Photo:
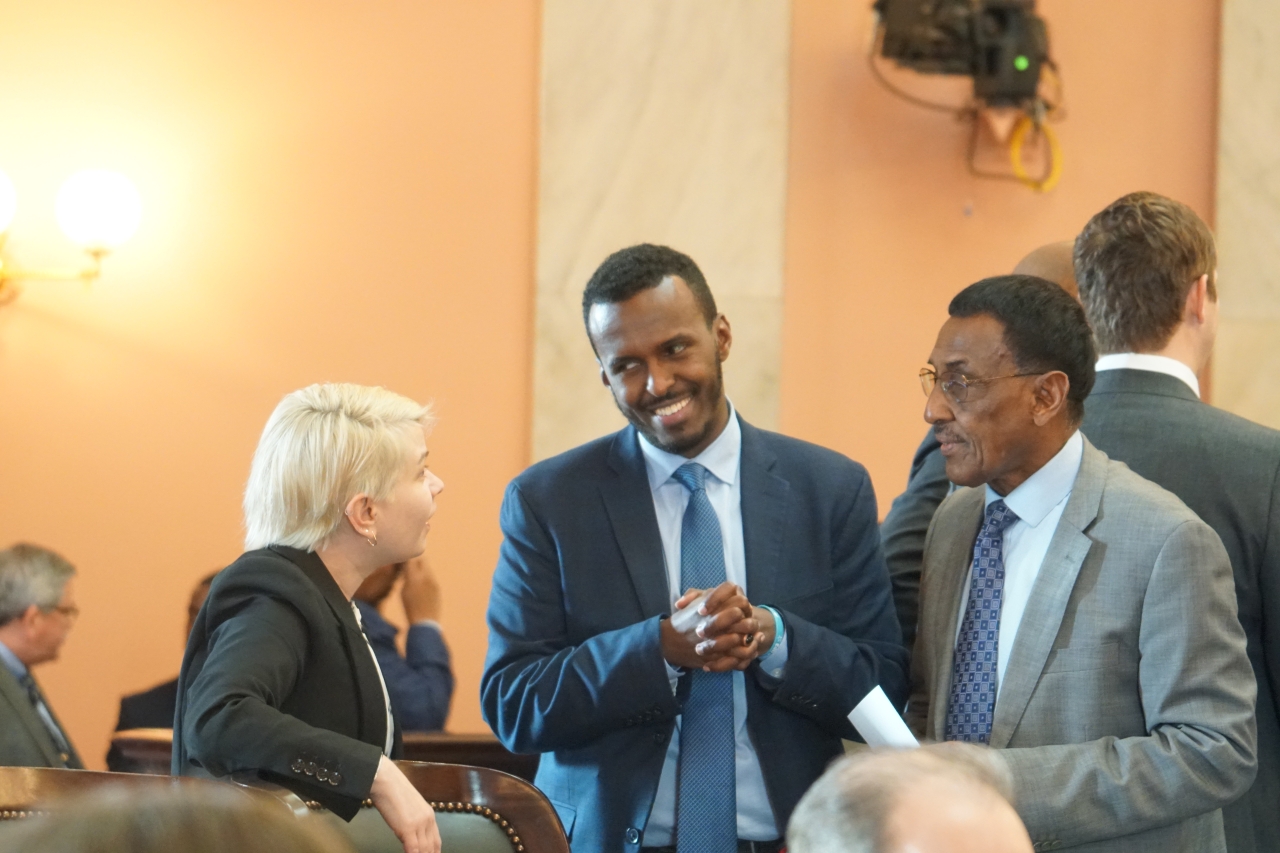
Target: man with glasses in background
[37, 610]
[1075, 617]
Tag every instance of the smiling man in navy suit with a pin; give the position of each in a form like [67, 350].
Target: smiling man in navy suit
[659, 736]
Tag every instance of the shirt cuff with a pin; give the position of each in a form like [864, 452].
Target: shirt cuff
[673, 674]
[427, 623]
[774, 661]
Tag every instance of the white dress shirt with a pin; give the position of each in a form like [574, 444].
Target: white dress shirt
[1153, 363]
[722, 459]
[1038, 502]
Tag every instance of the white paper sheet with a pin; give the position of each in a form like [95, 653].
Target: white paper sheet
[879, 722]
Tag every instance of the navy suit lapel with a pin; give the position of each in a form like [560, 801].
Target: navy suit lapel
[629, 504]
[765, 496]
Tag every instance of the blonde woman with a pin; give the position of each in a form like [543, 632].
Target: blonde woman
[277, 677]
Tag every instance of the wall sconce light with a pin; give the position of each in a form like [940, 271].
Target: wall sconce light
[97, 209]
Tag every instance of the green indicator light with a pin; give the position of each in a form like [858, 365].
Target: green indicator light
[1021, 63]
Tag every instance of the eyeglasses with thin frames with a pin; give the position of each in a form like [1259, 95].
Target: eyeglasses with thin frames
[956, 385]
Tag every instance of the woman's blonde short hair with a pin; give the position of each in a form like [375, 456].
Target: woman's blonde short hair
[322, 446]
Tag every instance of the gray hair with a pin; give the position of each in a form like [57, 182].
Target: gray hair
[848, 809]
[31, 575]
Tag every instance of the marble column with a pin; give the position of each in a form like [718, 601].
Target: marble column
[663, 121]
[1246, 374]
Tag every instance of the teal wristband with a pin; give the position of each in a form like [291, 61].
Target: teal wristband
[780, 630]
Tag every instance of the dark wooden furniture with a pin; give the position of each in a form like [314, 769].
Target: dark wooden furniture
[149, 750]
[476, 750]
[478, 809]
[145, 750]
[30, 790]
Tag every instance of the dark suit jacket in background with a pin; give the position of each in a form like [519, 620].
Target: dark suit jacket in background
[904, 528]
[24, 740]
[278, 679]
[150, 709]
[575, 668]
[1227, 469]
[420, 683]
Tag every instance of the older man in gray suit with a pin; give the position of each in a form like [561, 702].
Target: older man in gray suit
[1075, 616]
[37, 610]
[1147, 268]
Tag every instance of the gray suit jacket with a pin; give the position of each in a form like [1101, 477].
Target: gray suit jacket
[24, 741]
[1126, 714]
[1227, 469]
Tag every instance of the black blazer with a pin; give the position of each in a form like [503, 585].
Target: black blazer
[1227, 469]
[277, 678]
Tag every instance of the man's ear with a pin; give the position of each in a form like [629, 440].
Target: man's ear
[724, 335]
[29, 616]
[604, 377]
[1050, 396]
[1197, 304]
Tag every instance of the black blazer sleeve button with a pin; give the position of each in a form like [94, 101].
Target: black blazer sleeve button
[297, 766]
[335, 778]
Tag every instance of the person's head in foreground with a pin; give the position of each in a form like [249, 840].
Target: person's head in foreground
[660, 342]
[343, 469]
[943, 798]
[1148, 274]
[202, 818]
[37, 602]
[1007, 379]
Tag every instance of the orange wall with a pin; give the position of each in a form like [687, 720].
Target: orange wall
[878, 238]
[346, 192]
[333, 191]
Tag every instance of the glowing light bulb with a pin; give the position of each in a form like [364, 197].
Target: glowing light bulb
[8, 202]
[99, 209]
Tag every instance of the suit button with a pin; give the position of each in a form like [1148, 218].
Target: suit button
[658, 737]
[311, 768]
[633, 835]
[297, 766]
[335, 778]
[322, 774]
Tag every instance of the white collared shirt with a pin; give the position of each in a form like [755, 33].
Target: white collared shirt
[723, 461]
[1154, 363]
[1038, 502]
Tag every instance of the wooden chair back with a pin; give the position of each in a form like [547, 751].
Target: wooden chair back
[475, 750]
[142, 750]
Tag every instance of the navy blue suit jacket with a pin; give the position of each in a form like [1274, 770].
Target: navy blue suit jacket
[420, 683]
[575, 669]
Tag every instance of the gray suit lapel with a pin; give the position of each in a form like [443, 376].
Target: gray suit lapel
[947, 583]
[1049, 597]
[765, 496]
[628, 502]
[26, 714]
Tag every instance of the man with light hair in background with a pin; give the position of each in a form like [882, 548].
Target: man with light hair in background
[1147, 268]
[37, 610]
[943, 798]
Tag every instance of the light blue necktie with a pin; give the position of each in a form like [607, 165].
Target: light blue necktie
[972, 705]
[707, 802]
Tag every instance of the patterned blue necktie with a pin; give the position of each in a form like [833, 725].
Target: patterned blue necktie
[706, 799]
[972, 705]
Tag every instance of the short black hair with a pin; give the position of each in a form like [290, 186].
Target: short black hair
[1044, 328]
[628, 271]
